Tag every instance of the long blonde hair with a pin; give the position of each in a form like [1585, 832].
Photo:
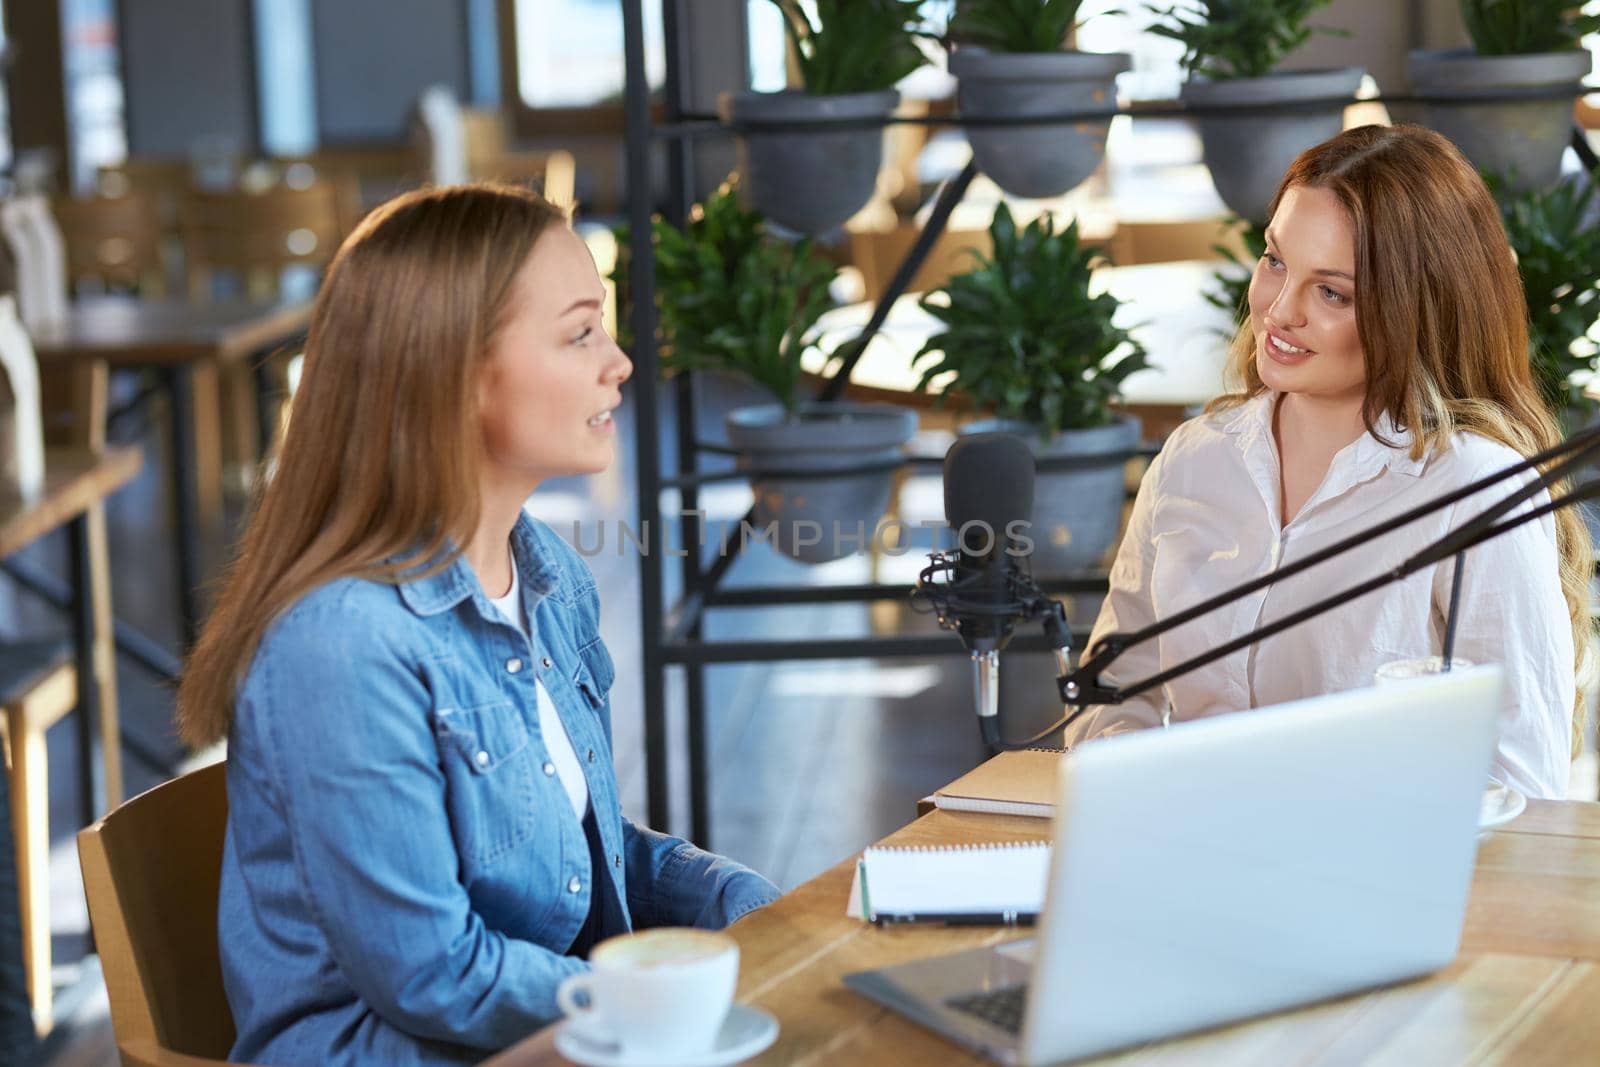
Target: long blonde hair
[378, 470]
[1441, 316]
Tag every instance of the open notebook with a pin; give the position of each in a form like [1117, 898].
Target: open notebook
[1020, 782]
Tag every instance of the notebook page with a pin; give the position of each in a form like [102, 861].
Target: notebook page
[957, 880]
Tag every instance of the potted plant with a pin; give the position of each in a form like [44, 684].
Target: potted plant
[1253, 120]
[737, 299]
[1024, 340]
[1233, 279]
[811, 180]
[1012, 60]
[1527, 50]
[1556, 237]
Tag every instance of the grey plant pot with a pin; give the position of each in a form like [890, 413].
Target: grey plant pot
[809, 180]
[1076, 514]
[1037, 161]
[1248, 153]
[1497, 135]
[821, 437]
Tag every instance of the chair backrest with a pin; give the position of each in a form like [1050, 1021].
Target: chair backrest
[116, 239]
[259, 234]
[151, 870]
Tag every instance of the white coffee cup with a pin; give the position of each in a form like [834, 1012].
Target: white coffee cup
[1401, 670]
[663, 993]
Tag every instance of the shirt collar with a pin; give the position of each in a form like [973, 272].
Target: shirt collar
[1252, 420]
[439, 592]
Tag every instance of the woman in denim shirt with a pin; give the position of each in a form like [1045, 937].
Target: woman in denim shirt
[424, 835]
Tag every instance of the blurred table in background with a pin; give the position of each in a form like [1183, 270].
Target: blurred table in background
[189, 344]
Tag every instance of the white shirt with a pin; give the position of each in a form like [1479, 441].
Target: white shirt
[1207, 519]
[556, 741]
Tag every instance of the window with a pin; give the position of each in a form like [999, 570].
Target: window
[569, 53]
[94, 88]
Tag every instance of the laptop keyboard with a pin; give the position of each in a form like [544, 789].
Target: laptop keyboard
[1001, 1008]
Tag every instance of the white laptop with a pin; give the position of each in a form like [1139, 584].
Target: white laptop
[1232, 867]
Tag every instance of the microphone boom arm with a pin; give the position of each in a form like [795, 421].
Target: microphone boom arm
[1082, 687]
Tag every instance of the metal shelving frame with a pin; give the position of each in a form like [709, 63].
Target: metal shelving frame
[675, 637]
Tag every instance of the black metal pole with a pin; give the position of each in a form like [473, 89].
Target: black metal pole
[680, 198]
[266, 392]
[185, 507]
[642, 287]
[91, 773]
[949, 196]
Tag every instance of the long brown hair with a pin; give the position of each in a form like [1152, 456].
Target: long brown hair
[378, 470]
[1440, 313]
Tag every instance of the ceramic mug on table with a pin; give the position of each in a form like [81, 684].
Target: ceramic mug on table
[663, 993]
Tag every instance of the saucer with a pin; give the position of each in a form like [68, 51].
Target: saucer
[746, 1031]
[1501, 804]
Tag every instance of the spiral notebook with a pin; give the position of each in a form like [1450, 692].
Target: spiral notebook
[1019, 782]
[999, 883]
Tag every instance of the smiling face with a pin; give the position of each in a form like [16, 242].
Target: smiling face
[1302, 300]
[550, 381]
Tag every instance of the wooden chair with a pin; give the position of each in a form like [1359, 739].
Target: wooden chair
[491, 157]
[116, 241]
[151, 871]
[258, 235]
[40, 688]
[254, 236]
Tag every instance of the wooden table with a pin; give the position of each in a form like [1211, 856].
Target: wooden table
[179, 339]
[76, 486]
[1523, 991]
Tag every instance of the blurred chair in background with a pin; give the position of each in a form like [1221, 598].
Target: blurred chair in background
[114, 243]
[252, 237]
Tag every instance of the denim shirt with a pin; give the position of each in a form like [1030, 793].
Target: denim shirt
[403, 871]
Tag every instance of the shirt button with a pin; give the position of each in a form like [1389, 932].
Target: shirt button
[545, 663]
[591, 755]
[482, 758]
[574, 885]
[549, 769]
[513, 665]
[616, 861]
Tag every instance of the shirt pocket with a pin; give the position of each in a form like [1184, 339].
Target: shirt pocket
[595, 674]
[489, 781]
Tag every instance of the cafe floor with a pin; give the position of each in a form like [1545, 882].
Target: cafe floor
[809, 760]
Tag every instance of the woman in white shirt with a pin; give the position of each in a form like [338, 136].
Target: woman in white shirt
[1384, 363]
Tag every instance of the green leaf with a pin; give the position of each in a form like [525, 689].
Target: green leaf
[1525, 27]
[1023, 337]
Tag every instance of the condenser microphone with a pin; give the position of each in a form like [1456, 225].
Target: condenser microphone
[988, 502]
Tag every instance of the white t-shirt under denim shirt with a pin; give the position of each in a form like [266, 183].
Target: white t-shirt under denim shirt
[556, 741]
[1207, 519]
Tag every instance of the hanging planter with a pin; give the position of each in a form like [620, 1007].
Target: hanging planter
[1037, 161]
[1524, 135]
[736, 299]
[1076, 513]
[815, 519]
[1248, 152]
[810, 180]
[1254, 120]
[1012, 61]
[810, 157]
[1526, 53]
